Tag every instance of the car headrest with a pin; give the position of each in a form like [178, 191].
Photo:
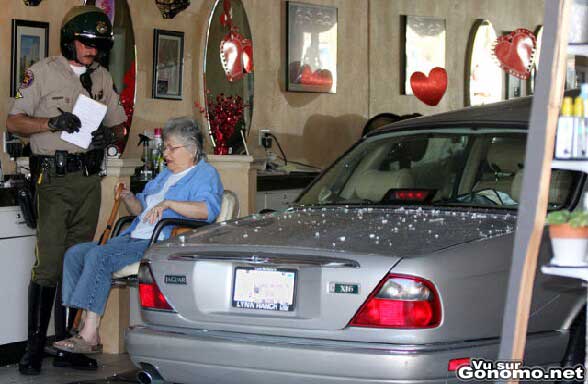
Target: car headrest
[508, 155]
[229, 206]
[374, 184]
[415, 149]
[559, 186]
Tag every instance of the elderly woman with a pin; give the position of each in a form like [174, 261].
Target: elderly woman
[188, 188]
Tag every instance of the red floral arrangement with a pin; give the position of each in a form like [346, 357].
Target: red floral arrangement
[127, 97]
[223, 114]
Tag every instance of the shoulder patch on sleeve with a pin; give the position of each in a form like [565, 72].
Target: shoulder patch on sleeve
[28, 79]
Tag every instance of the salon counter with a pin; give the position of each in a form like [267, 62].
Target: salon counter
[17, 254]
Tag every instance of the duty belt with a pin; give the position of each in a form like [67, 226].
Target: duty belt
[73, 162]
[60, 164]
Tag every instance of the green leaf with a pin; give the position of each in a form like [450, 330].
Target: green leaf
[558, 217]
[579, 219]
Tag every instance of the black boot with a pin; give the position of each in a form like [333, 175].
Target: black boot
[63, 327]
[59, 316]
[40, 304]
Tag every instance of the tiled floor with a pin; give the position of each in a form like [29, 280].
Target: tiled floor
[108, 366]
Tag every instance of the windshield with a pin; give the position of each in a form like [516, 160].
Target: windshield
[462, 167]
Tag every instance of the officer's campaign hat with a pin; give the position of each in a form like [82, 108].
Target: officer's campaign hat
[89, 25]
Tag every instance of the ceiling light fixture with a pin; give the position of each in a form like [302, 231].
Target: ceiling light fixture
[170, 8]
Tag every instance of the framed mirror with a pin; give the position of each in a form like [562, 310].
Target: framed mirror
[483, 77]
[228, 77]
[121, 61]
[531, 79]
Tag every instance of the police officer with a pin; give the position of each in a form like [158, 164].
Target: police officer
[67, 183]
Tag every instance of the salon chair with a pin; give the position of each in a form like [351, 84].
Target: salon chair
[229, 210]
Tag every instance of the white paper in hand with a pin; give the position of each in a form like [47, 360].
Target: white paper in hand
[91, 113]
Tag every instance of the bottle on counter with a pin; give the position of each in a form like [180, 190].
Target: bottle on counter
[157, 151]
[565, 131]
[147, 169]
[584, 97]
[579, 135]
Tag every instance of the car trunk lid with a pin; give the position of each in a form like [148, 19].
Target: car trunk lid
[325, 262]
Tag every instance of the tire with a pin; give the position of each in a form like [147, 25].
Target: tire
[576, 349]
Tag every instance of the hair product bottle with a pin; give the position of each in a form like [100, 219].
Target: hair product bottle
[565, 131]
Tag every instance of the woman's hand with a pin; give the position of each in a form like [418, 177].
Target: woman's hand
[155, 213]
[124, 193]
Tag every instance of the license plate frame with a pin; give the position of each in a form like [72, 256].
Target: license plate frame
[256, 304]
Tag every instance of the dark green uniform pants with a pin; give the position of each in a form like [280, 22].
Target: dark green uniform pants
[68, 209]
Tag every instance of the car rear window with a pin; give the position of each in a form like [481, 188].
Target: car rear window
[462, 167]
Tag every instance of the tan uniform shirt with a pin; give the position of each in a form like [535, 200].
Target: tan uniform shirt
[51, 84]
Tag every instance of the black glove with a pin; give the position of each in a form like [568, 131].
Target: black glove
[102, 137]
[67, 122]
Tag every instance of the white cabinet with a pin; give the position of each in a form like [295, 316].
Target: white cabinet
[17, 254]
[277, 191]
[278, 200]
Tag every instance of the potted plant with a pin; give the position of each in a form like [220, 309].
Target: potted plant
[569, 237]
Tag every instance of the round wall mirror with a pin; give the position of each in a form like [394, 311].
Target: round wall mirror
[121, 60]
[533, 76]
[483, 77]
[228, 77]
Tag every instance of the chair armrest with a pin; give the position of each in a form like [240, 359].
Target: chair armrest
[119, 223]
[173, 221]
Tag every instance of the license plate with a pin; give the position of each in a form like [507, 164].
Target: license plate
[264, 288]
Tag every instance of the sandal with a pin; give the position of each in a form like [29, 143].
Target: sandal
[77, 344]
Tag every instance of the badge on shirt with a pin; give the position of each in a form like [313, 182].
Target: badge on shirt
[28, 79]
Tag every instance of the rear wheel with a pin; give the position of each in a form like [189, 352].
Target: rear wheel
[576, 350]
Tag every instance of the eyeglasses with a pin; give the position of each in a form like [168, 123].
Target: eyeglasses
[171, 148]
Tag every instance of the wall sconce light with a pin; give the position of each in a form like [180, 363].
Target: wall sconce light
[170, 8]
[32, 3]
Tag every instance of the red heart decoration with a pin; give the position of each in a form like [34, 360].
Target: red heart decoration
[305, 76]
[515, 52]
[323, 77]
[247, 55]
[227, 6]
[231, 55]
[225, 20]
[429, 90]
[320, 77]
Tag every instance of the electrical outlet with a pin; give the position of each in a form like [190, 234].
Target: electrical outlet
[265, 138]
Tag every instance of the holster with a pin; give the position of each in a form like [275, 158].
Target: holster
[25, 196]
[93, 161]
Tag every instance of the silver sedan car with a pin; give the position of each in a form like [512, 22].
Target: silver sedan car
[392, 267]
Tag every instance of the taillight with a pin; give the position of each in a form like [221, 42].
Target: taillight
[149, 293]
[400, 301]
[454, 364]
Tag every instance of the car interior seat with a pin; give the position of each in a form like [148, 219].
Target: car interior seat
[559, 186]
[229, 210]
[374, 184]
[503, 160]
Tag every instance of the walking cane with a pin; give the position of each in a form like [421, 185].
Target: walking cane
[104, 238]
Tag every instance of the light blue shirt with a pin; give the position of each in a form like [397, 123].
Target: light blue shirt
[201, 184]
[144, 229]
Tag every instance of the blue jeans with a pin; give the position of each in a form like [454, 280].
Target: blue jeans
[88, 268]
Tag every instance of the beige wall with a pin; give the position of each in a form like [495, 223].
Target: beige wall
[313, 128]
[459, 16]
